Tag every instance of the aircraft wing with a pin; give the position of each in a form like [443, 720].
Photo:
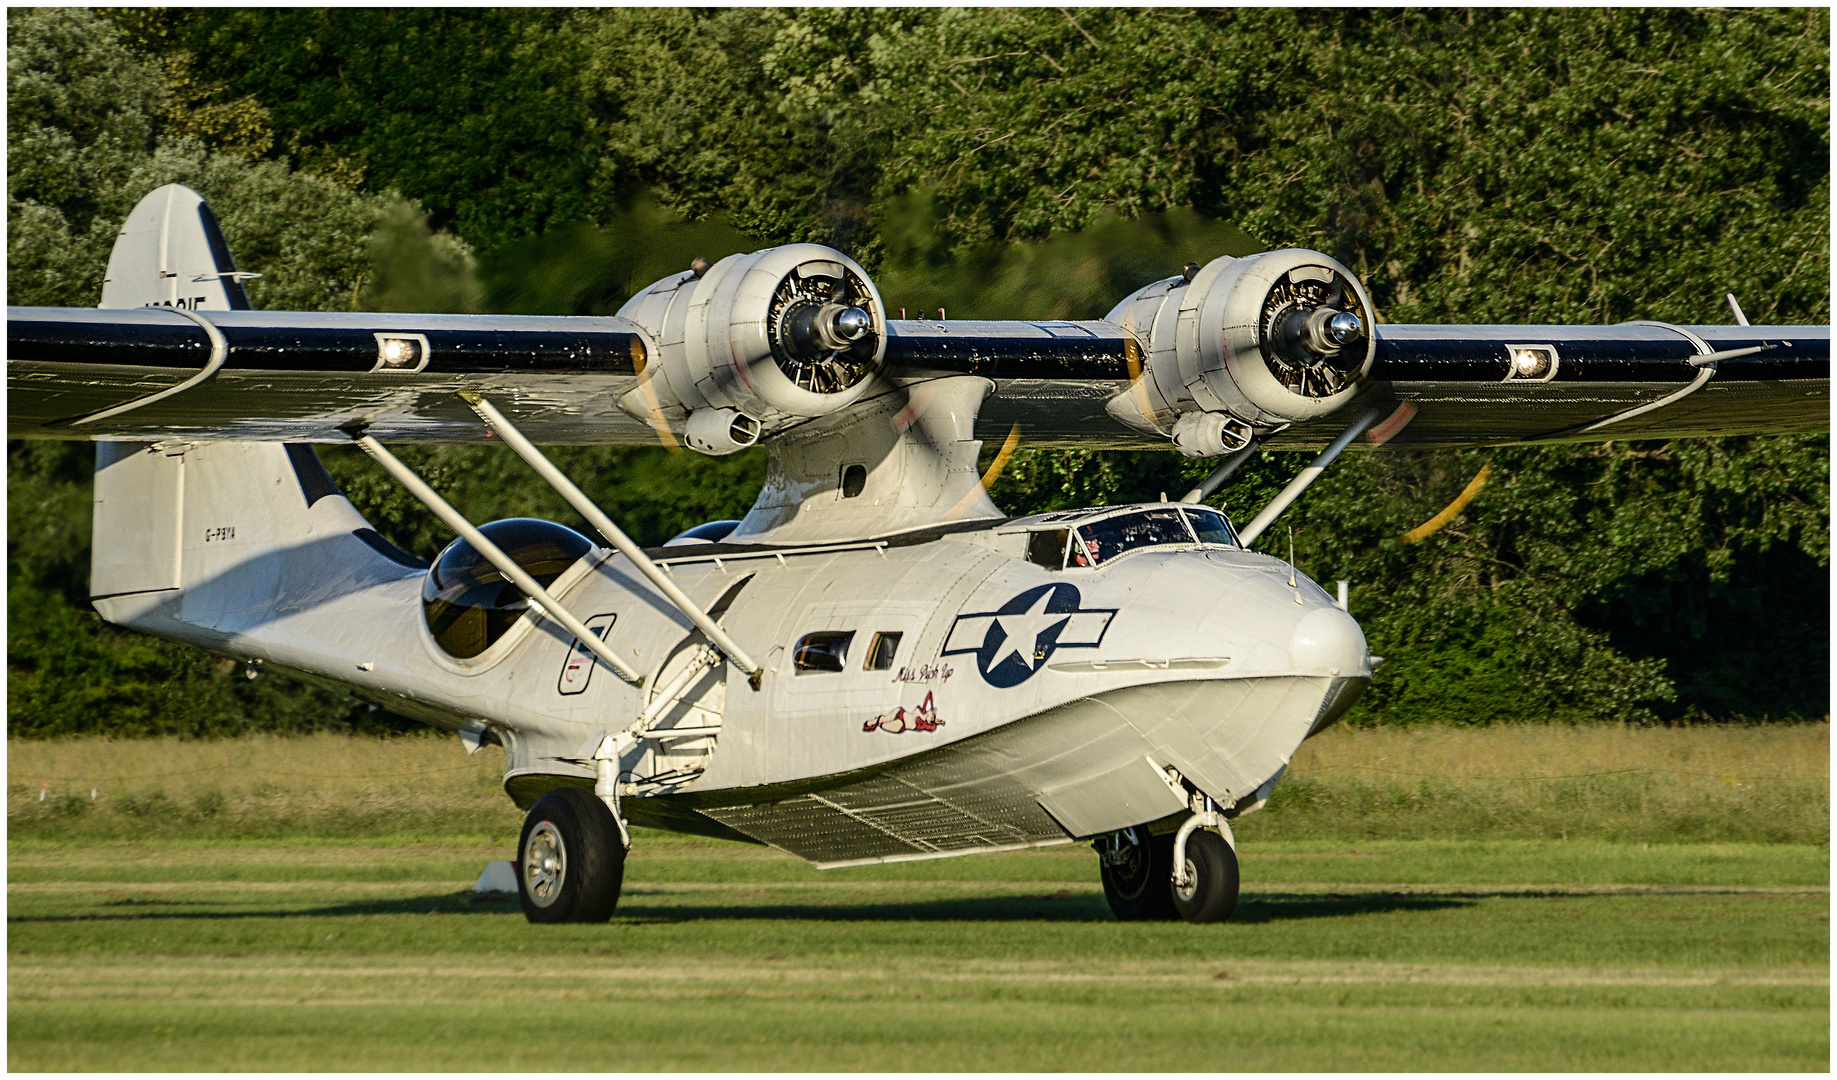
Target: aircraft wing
[84, 373]
[1056, 383]
[303, 376]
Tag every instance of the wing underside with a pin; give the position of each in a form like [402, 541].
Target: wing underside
[307, 377]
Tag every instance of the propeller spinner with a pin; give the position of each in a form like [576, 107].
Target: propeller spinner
[1310, 318]
[821, 329]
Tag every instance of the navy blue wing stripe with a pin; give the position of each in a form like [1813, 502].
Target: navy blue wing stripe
[537, 346]
[1443, 354]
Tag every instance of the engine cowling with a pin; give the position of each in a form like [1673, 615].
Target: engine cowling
[757, 343]
[1246, 345]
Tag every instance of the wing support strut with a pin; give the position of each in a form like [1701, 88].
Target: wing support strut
[1217, 477]
[494, 555]
[1306, 477]
[219, 352]
[1705, 362]
[586, 508]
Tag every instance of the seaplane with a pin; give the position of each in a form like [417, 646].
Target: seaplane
[875, 663]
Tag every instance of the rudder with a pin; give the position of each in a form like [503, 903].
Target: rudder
[171, 253]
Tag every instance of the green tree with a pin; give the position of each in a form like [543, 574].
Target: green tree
[482, 113]
[1511, 165]
[90, 129]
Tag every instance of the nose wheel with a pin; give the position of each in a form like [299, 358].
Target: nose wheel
[570, 860]
[1207, 890]
[1140, 882]
[1136, 867]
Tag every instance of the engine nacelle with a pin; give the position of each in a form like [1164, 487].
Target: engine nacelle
[1263, 341]
[756, 343]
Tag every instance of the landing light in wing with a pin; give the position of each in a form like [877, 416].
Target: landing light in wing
[1530, 363]
[400, 352]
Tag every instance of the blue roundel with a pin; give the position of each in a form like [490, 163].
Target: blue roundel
[1018, 638]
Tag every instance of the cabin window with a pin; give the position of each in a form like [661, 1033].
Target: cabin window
[1211, 527]
[469, 605]
[880, 652]
[854, 480]
[1047, 548]
[1105, 540]
[825, 650]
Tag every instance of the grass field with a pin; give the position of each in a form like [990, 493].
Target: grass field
[1767, 783]
[209, 935]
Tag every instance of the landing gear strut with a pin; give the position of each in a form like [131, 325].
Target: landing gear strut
[1189, 875]
[1205, 865]
[1207, 891]
[570, 860]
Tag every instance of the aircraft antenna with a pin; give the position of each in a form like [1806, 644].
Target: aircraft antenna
[219, 352]
[1706, 362]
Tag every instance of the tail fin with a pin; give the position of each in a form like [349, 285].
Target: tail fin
[219, 536]
[172, 254]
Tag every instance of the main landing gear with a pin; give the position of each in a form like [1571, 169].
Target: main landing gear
[570, 860]
[1140, 883]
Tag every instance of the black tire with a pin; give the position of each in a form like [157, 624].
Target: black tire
[1138, 884]
[578, 862]
[1211, 891]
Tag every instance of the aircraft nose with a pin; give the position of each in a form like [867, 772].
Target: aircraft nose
[1327, 641]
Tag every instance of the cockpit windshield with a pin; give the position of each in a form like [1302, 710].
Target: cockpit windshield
[1101, 541]
[1098, 542]
[1210, 526]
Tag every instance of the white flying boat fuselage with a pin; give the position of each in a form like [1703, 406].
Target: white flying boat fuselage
[942, 692]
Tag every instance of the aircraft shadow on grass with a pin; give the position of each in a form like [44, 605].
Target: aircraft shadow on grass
[1061, 906]
[1087, 907]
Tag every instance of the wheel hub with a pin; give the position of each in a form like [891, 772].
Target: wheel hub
[545, 865]
[1191, 879]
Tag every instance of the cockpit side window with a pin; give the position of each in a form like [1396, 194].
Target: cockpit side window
[825, 650]
[1211, 527]
[1107, 539]
[1047, 548]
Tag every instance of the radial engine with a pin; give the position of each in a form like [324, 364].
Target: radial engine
[1242, 347]
[756, 344]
